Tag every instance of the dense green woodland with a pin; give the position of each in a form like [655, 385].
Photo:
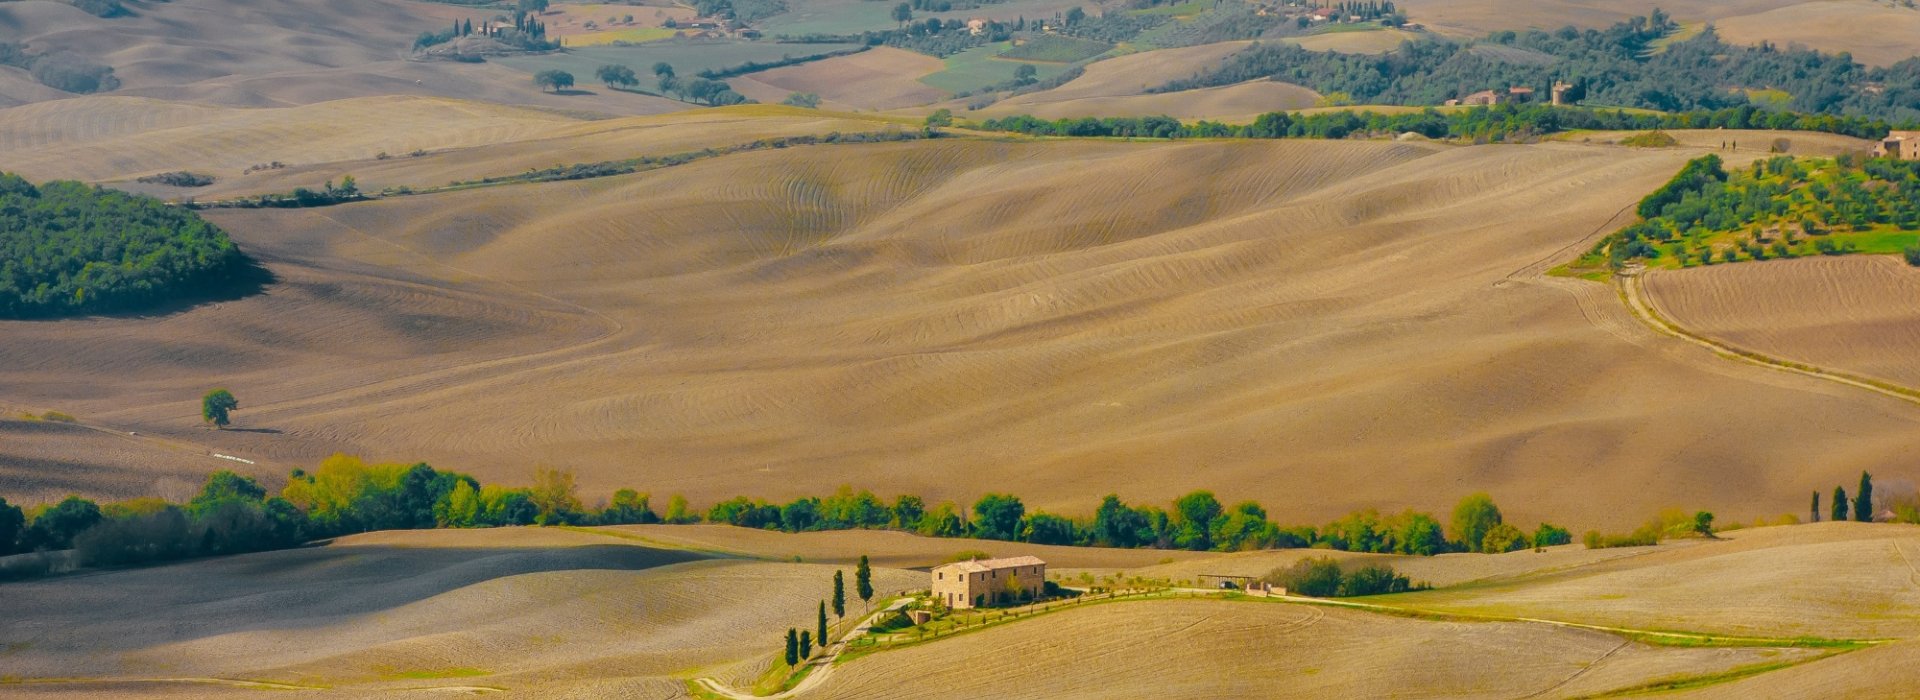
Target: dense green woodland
[1620, 66]
[1499, 123]
[69, 248]
[1782, 207]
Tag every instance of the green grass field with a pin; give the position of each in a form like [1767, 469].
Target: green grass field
[1056, 49]
[1185, 9]
[832, 18]
[630, 36]
[687, 58]
[982, 66]
[1344, 28]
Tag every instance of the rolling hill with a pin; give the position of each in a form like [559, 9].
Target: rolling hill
[1364, 322]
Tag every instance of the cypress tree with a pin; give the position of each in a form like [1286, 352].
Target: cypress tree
[823, 622]
[863, 580]
[1863, 501]
[1839, 504]
[1816, 503]
[793, 646]
[806, 644]
[839, 594]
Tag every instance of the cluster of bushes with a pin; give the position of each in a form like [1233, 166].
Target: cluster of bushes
[1323, 577]
[1196, 521]
[60, 71]
[1770, 210]
[178, 178]
[234, 514]
[1669, 524]
[329, 194]
[743, 10]
[1615, 66]
[1498, 123]
[72, 248]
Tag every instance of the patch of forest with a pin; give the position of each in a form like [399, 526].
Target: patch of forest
[1621, 66]
[70, 249]
[1782, 207]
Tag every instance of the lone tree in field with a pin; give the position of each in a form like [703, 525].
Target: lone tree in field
[822, 622]
[1863, 501]
[1816, 506]
[1839, 504]
[617, 76]
[216, 406]
[555, 80]
[1703, 524]
[863, 581]
[903, 13]
[839, 594]
[663, 69]
[806, 644]
[793, 646]
[1473, 519]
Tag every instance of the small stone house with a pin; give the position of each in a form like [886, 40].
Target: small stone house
[983, 582]
[1904, 145]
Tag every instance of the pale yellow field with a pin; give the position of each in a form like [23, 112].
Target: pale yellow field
[291, 52]
[1833, 580]
[1851, 313]
[1199, 649]
[548, 612]
[781, 323]
[1232, 103]
[876, 79]
[890, 549]
[1876, 33]
[1371, 42]
[117, 139]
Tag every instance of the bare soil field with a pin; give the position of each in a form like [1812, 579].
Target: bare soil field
[896, 550]
[881, 78]
[1126, 76]
[1200, 648]
[1230, 103]
[434, 142]
[781, 323]
[1834, 580]
[1440, 571]
[1889, 671]
[1874, 32]
[1371, 42]
[1853, 313]
[551, 612]
[1739, 145]
[292, 52]
[43, 461]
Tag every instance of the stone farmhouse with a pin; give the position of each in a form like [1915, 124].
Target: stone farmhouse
[1904, 145]
[983, 582]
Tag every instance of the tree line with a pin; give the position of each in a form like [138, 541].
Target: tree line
[1619, 66]
[1481, 124]
[1196, 521]
[72, 248]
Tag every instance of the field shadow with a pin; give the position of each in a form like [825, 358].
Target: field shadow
[249, 278]
[287, 590]
[571, 92]
[265, 431]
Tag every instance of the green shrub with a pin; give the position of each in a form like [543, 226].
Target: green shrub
[1912, 254]
[1322, 577]
[75, 249]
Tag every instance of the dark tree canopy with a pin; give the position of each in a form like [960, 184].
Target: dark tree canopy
[217, 406]
[73, 249]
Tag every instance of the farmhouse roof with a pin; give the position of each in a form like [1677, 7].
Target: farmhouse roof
[983, 565]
